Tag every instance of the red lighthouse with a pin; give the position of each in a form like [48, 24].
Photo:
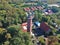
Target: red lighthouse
[29, 22]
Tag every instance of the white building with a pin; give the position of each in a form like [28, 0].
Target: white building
[56, 5]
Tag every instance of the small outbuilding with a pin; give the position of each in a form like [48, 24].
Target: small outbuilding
[24, 27]
[37, 24]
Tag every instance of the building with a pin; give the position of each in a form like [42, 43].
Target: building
[38, 32]
[44, 27]
[51, 5]
[37, 24]
[24, 27]
[33, 0]
[43, 0]
[50, 1]
[29, 22]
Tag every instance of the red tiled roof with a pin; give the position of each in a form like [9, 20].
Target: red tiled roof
[27, 9]
[35, 8]
[44, 26]
[24, 27]
[24, 24]
[39, 7]
[32, 8]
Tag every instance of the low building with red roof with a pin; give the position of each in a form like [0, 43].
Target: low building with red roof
[35, 8]
[24, 27]
[39, 7]
[32, 8]
[44, 26]
[27, 9]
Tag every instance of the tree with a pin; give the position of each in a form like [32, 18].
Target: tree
[52, 40]
[41, 39]
[21, 38]
[12, 31]
[44, 19]
[22, 14]
[2, 35]
[8, 36]
[38, 16]
[40, 3]
[6, 43]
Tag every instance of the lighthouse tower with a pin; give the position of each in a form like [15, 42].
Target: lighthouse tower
[29, 22]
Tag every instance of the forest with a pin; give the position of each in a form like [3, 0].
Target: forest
[12, 16]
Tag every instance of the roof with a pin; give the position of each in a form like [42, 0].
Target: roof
[43, 0]
[39, 32]
[39, 7]
[34, 0]
[44, 26]
[33, 8]
[56, 5]
[24, 27]
[37, 23]
[27, 9]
